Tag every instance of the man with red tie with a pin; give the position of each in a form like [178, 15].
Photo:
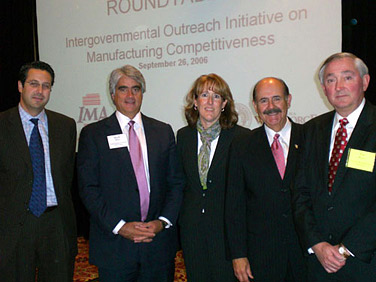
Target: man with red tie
[262, 240]
[335, 190]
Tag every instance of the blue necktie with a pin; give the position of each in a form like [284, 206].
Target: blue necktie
[38, 199]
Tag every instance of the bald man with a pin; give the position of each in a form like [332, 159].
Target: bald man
[262, 240]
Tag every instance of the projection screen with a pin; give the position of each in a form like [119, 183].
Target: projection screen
[172, 42]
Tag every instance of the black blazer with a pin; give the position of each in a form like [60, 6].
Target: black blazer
[202, 214]
[349, 214]
[259, 219]
[16, 176]
[108, 188]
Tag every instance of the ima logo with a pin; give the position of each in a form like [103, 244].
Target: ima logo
[91, 110]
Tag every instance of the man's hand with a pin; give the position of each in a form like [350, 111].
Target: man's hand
[135, 232]
[329, 257]
[154, 226]
[242, 269]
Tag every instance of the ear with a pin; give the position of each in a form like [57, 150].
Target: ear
[366, 78]
[224, 104]
[323, 89]
[254, 105]
[289, 98]
[20, 86]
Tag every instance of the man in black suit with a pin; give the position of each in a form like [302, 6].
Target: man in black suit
[262, 240]
[133, 203]
[335, 191]
[37, 221]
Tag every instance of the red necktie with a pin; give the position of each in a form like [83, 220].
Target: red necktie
[278, 155]
[139, 170]
[338, 149]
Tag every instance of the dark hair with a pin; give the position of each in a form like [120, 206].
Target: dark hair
[286, 90]
[229, 116]
[39, 65]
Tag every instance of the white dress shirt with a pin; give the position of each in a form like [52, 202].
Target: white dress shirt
[284, 137]
[140, 132]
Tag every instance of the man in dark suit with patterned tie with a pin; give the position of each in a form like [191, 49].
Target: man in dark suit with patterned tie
[263, 244]
[131, 184]
[37, 152]
[335, 190]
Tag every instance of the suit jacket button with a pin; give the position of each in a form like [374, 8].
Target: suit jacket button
[330, 236]
[203, 194]
[210, 181]
[330, 208]
[203, 211]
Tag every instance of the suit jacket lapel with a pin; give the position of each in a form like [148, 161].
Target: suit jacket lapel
[324, 136]
[357, 137]
[223, 144]
[17, 132]
[113, 128]
[293, 152]
[265, 152]
[190, 153]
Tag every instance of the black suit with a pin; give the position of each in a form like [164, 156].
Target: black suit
[109, 190]
[259, 220]
[202, 216]
[348, 215]
[16, 179]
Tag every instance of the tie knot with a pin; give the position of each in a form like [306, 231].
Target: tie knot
[131, 123]
[343, 121]
[35, 121]
[276, 136]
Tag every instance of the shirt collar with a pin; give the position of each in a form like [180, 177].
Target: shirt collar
[26, 117]
[353, 117]
[284, 133]
[124, 120]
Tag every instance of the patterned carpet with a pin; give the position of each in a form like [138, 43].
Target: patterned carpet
[86, 272]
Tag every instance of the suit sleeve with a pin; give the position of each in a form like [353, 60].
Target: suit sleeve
[235, 203]
[174, 181]
[88, 158]
[305, 221]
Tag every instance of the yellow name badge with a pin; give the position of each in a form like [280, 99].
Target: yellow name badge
[361, 160]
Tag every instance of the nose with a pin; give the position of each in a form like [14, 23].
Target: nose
[210, 100]
[270, 103]
[40, 88]
[339, 84]
[129, 92]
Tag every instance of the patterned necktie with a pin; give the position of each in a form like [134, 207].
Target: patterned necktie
[339, 146]
[278, 155]
[38, 199]
[139, 170]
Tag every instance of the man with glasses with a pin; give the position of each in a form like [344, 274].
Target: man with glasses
[37, 151]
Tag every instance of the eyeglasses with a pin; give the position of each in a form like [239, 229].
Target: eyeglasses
[36, 84]
[206, 95]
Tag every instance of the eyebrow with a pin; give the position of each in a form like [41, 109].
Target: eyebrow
[342, 72]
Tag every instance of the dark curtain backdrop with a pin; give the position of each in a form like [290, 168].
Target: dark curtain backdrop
[19, 43]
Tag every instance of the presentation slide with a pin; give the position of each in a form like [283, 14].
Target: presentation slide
[172, 42]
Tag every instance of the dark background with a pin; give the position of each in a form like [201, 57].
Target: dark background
[19, 41]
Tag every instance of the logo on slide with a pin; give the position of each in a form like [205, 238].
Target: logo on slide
[245, 115]
[91, 109]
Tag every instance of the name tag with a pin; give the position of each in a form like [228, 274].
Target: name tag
[361, 160]
[117, 141]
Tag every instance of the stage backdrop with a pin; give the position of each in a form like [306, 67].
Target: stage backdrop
[172, 42]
